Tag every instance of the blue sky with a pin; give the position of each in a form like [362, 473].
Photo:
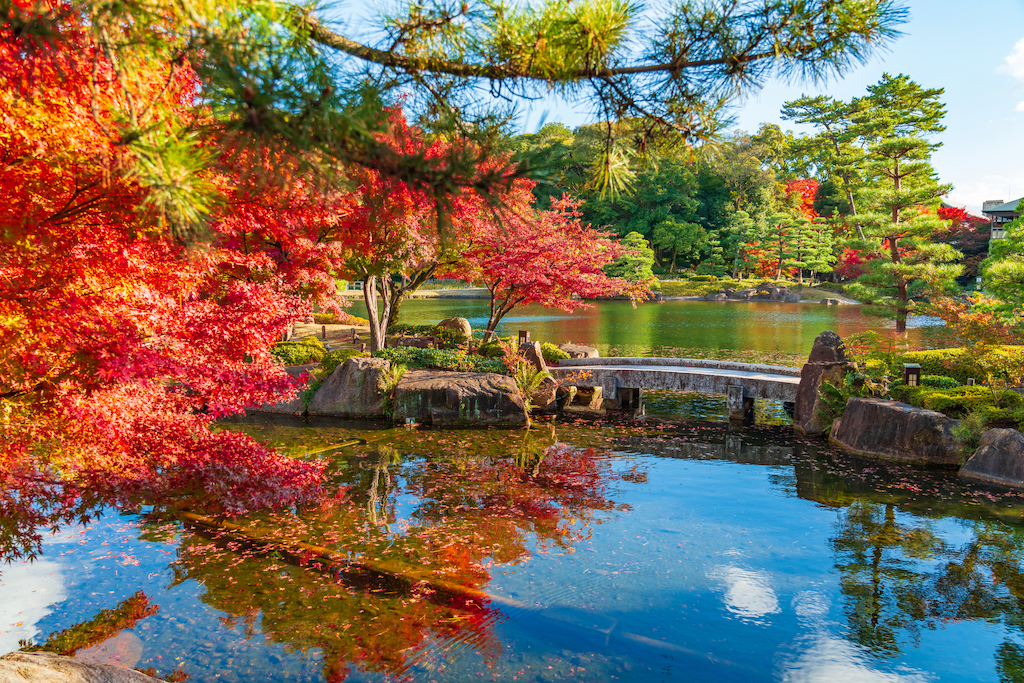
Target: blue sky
[973, 49]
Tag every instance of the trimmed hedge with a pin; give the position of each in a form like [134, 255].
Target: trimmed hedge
[958, 401]
[956, 363]
[302, 352]
[441, 359]
[939, 381]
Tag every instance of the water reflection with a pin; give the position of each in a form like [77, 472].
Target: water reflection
[390, 574]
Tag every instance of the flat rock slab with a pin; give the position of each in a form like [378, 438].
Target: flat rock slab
[47, 667]
[998, 460]
[896, 431]
[353, 389]
[439, 397]
[579, 351]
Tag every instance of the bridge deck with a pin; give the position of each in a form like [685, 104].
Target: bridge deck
[758, 381]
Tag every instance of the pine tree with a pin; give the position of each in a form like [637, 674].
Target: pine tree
[901, 195]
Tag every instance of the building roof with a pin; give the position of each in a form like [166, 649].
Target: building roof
[1008, 207]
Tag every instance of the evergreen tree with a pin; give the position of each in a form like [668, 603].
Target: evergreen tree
[636, 261]
[901, 195]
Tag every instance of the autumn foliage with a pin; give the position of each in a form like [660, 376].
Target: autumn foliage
[120, 342]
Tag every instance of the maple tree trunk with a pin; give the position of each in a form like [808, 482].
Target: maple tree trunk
[397, 293]
[378, 322]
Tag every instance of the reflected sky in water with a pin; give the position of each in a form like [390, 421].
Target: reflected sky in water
[593, 553]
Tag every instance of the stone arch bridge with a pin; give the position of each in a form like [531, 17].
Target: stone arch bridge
[623, 380]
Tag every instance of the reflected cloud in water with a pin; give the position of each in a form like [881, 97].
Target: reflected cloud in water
[830, 659]
[748, 594]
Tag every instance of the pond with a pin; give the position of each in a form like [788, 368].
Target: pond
[652, 328]
[633, 551]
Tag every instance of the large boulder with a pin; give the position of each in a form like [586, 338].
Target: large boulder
[998, 460]
[828, 348]
[439, 397]
[744, 294]
[716, 296]
[830, 302]
[460, 324]
[47, 667]
[579, 351]
[896, 431]
[808, 418]
[353, 389]
[534, 354]
[296, 406]
[772, 292]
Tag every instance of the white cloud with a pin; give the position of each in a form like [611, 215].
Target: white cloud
[1020, 106]
[1013, 63]
[974, 192]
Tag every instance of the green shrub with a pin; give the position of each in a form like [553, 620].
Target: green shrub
[947, 362]
[957, 401]
[702, 278]
[333, 359]
[447, 339]
[302, 352]
[939, 381]
[492, 347]
[440, 359]
[552, 353]
[687, 288]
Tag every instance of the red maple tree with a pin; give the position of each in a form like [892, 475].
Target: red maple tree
[547, 257]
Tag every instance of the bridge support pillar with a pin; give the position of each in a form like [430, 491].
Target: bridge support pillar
[631, 400]
[741, 406]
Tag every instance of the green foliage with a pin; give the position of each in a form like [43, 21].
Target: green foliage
[303, 352]
[635, 265]
[389, 380]
[441, 359]
[446, 338]
[956, 363]
[492, 347]
[332, 359]
[939, 382]
[968, 432]
[528, 378]
[552, 353]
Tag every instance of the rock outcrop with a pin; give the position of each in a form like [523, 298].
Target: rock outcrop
[353, 389]
[896, 431]
[460, 324]
[998, 460]
[808, 418]
[47, 667]
[439, 397]
[545, 398]
[828, 348]
[763, 292]
[579, 351]
[827, 363]
[830, 302]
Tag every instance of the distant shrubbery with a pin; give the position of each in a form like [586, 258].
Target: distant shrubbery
[448, 339]
[343, 319]
[302, 352]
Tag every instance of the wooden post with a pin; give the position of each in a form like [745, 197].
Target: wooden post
[323, 331]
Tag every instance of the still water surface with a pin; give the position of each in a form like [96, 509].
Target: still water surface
[653, 552]
[763, 326]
